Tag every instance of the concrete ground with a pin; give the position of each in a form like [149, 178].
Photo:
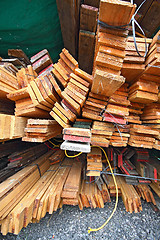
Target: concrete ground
[71, 223]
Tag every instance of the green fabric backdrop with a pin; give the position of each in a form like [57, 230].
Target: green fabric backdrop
[31, 25]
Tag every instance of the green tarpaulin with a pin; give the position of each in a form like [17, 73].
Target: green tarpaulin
[30, 25]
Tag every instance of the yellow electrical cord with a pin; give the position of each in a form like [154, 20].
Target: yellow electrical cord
[115, 207]
[114, 179]
[73, 155]
[53, 144]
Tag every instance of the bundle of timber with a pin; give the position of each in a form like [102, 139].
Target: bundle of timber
[110, 46]
[41, 130]
[25, 76]
[120, 136]
[94, 162]
[94, 106]
[117, 108]
[11, 127]
[38, 98]
[88, 23]
[134, 64]
[42, 62]
[78, 137]
[151, 117]
[27, 106]
[142, 136]
[101, 133]
[145, 90]
[70, 193]
[9, 67]
[135, 109]
[8, 82]
[65, 66]
[74, 96]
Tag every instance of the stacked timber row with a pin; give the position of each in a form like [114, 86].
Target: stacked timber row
[145, 89]
[41, 130]
[11, 127]
[133, 64]
[94, 162]
[151, 117]
[110, 46]
[42, 62]
[78, 137]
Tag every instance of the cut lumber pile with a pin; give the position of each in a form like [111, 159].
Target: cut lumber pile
[130, 197]
[145, 90]
[9, 67]
[135, 110]
[8, 82]
[88, 23]
[101, 133]
[65, 66]
[94, 106]
[117, 107]
[73, 98]
[94, 162]
[133, 64]
[142, 136]
[78, 136]
[41, 130]
[70, 193]
[11, 127]
[42, 62]
[151, 117]
[27, 106]
[25, 76]
[145, 193]
[120, 136]
[16, 187]
[110, 46]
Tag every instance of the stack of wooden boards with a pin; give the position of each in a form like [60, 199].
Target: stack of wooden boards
[135, 110]
[142, 136]
[110, 46]
[145, 89]
[117, 108]
[78, 137]
[8, 82]
[88, 24]
[94, 162]
[41, 130]
[58, 186]
[25, 76]
[11, 127]
[65, 66]
[101, 133]
[74, 95]
[42, 62]
[133, 64]
[94, 106]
